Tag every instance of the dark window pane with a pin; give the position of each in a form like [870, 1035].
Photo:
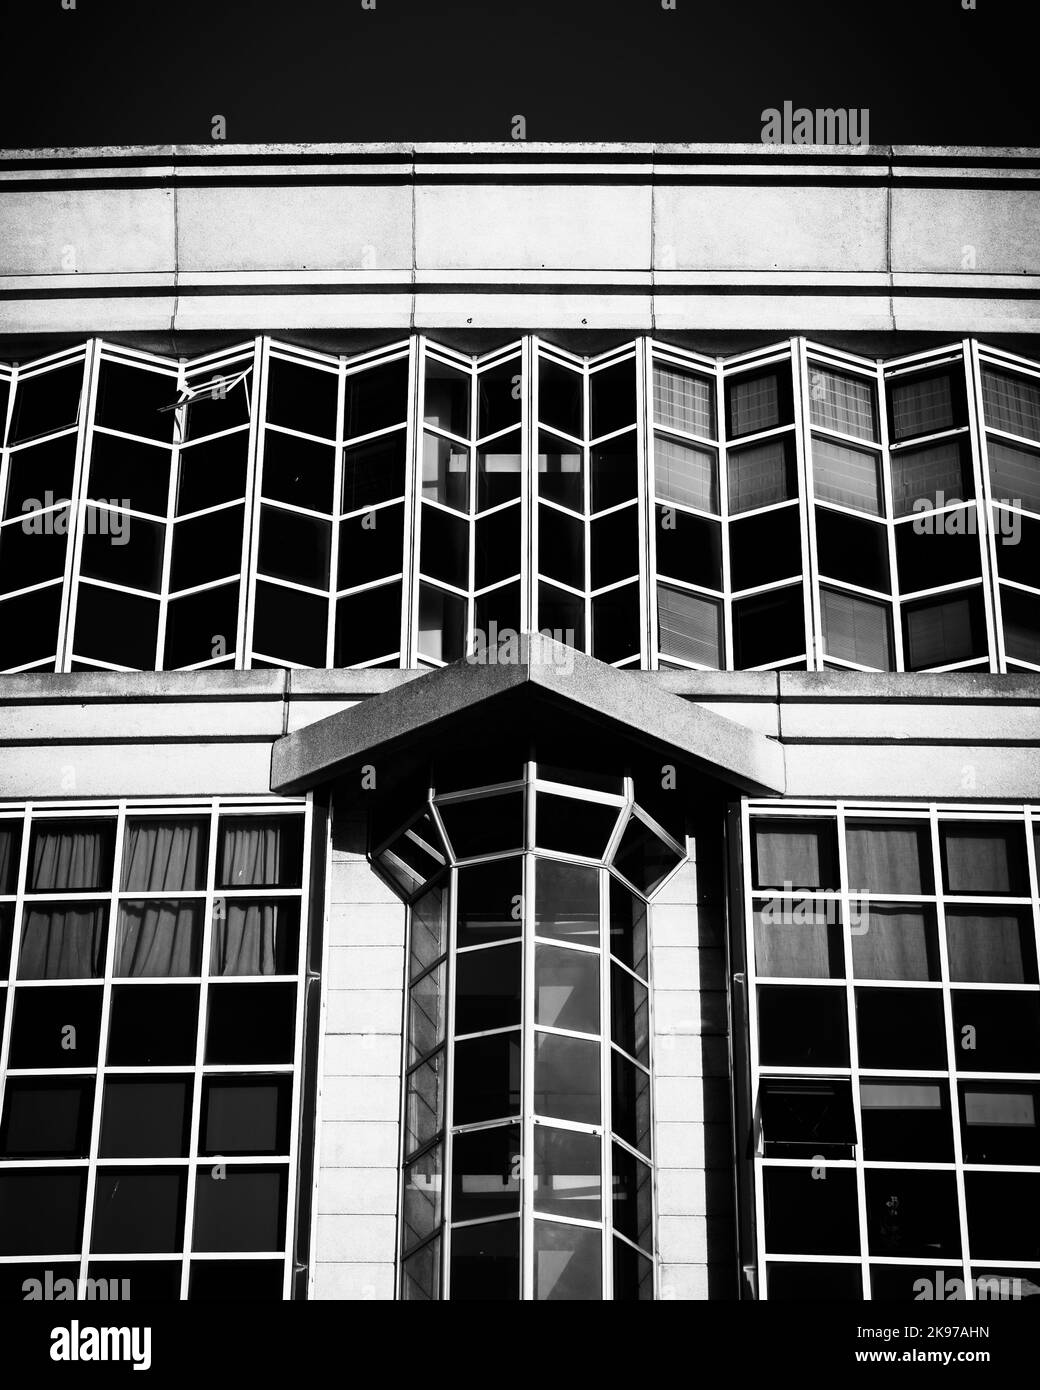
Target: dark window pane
[886, 857]
[146, 1117]
[485, 1262]
[421, 1197]
[207, 548]
[758, 401]
[498, 613]
[373, 472]
[934, 476]
[498, 397]
[421, 1274]
[298, 471]
[686, 474]
[853, 549]
[1002, 1216]
[1021, 620]
[129, 474]
[942, 632]
[442, 624]
[137, 1281]
[375, 399]
[138, 1209]
[991, 946]
[1012, 403]
[46, 1117]
[222, 398]
[995, 1030]
[822, 1282]
[444, 552]
[487, 1078]
[761, 475]
[632, 1213]
[768, 628]
[850, 477]
[1000, 1122]
[627, 927]
[560, 397]
[154, 1026]
[683, 401]
[566, 1078]
[290, 625]
[633, 1275]
[294, 547]
[561, 616]
[46, 402]
[802, 1026]
[30, 625]
[32, 551]
[245, 1115]
[490, 903]
[445, 472]
[795, 853]
[630, 1102]
[938, 550]
[427, 1006]
[615, 547]
[35, 472]
[251, 1023]
[805, 1118]
[485, 1173]
[644, 858]
[902, 1283]
[115, 627]
[560, 472]
[567, 1262]
[486, 825]
[567, 1168]
[911, 1213]
[424, 1103]
[689, 627]
[630, 1014]
[984, 859]
[302, 398]
[56, 1027]
[124, 550]
[764, 548]
[447, 398]
[567, 902]
[561, 547]
[906, 1120]
[612, 398]
[499, 471]
[806, 1216]
[1014, 474]
[615, 472]
[201, 626]
[240, 1209]
[577, 827]
[497, 552]
[846, 404]
[894, 943]
[239, 1281]
[133, 400]
[566, 989]
[616, 624]
[6, 930]
[368, 625]
[487, 989]
[901, 1028]
[857, 629]
[213, 472]
[63, 941]
[689, 548]
[370, 546]
[923, 404]
[42, 1212]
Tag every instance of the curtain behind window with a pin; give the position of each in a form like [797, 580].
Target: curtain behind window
[754, 404]
[898, 944]
[10, 842]
[938, 634]
[254, 939]
[759, 476]
[71, 856]
[984, 859]
[684, 402]
[260, 852]
[924, 474]
[159, 937]
[855, 629]
[164, 856]
[686, 475]
[1014, 474]
[1012, 403]
[889, 858]
[921, 406]
[851, 477]
[689, 626]
[842, 403]
[63, 941]
[809, 950]
[991, 947]
[801, 854]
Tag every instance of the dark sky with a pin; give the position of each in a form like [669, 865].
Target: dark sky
[157, 71]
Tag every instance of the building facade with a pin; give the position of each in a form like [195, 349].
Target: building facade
[380, 522]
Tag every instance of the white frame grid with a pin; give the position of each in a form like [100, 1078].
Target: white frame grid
[116, 813]
[930, 817]
[528, 855]
[246, 367]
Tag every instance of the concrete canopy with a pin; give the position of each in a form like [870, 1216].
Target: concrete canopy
[536, 680]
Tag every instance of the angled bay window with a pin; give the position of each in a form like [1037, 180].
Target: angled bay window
[527, 1158]
[894, 1017]
[152, 958]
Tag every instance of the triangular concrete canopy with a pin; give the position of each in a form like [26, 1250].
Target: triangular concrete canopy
[625, 705]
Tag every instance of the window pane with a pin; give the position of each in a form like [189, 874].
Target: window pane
[912, 1213]
[802, 1118]
[765, 547]
[302, 397]
[856, 629]
[921, 405]
[842, 403]
[485, 825]
[566, 989]
[768, 628]
[138, 1209]
[567, 1262]
[41, 1212]
[906, 1120]
[251, 1023]
[447, 398]
[802, 1026]
[498, 397]
[1014, 476]
[70, 856]
[426, 1014]
[630, 1014]
[490, 903]
[567, 902]
[1012, 403]
[999, 1122]
[566, 1078]
[685, 474]
[853, 549]
[247, 1281]
[445, 472]
[938, 475]
[944, 632]
[245, 1115]
[567, 1173]
[576, 827]
[421, 1210]
[442, 624]
[889, 858]
[375, 398]
[851, 477]
[560, 397]
[298, 471]
[56, 1027]
[487, 1078]
[615, 472]
[799, 938]
[261, 851]
[806, 1217]
[758, 401]
[630, 1102]
[998, 1225]
[242, 1210]
[901, 1029]
[560, 472]
[63, 942]
[561, 547]
[373, 472]
[146, 1117]
[689, 627]
[816, 1281]
[633, 1275]
[984, 859]
[796, 853]
[46, 1117]
[485, 1173]
[156, 1026]
[46, 402]
[761, 475]
[254, 938]
[991, 946]
[612, 398]
[487, 989]
[895, 943]
[632, 1212]
[995, 1030]
[159, 938]
[684, 402]
[424, 1103]
[485, 1262]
